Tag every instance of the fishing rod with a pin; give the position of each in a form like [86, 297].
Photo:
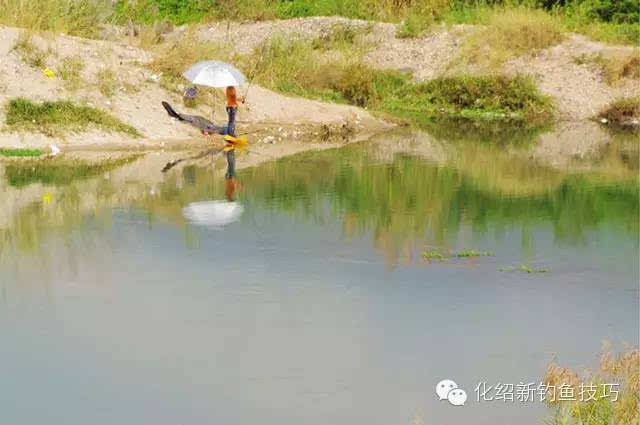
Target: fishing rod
[253, 74]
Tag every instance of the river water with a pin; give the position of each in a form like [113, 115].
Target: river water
[312, 304]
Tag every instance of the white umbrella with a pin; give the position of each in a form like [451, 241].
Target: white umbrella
[215, 74]
[213, 214]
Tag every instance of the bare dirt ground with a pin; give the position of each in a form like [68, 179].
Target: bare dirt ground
[580, 91]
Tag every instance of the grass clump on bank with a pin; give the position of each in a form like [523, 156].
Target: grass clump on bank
[81, 18]
[489, 98]
[29, 52]
[70, 70]
[599, 405]
[59, 116]
[511, 32]
[622, 114]
[59, 171]
[20, 152]
[107, 82]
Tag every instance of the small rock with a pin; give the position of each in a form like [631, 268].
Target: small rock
[604, 120]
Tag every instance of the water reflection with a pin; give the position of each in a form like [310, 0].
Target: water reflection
[407, 190]
[218, 213]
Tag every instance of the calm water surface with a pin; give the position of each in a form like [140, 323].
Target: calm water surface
[315, 307]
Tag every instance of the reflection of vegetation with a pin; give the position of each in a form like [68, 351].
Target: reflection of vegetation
[596, 400]
[59, 171]
[402, 200]
[19, 152]
[478, 131]
[408, 199]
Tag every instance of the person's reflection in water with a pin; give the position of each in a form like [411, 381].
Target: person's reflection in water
[230, 183]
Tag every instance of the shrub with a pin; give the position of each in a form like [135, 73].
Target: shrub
[622, 369]
[622, 113]
[74, 17]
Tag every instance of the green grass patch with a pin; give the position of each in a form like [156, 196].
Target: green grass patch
[20, 152]
[59, 171]
[481, 98]
[60, 116]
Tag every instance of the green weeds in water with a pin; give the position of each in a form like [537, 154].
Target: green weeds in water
[466, 253]
[59, 171]
[433, 255]
[528, 269]
[59, 116]
[525, 268]
[20, 152]
[473, 253]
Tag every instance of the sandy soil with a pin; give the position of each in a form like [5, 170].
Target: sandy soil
[579, 90]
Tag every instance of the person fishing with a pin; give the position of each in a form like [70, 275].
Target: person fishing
[232, 110]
